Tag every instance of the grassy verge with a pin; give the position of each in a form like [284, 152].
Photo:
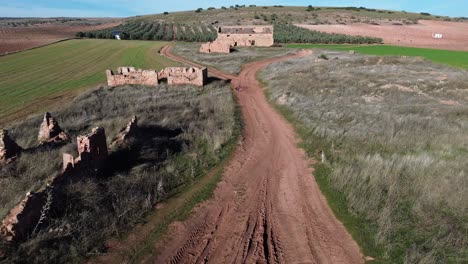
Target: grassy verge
[392, 133]
[361, 230]
[457, 59]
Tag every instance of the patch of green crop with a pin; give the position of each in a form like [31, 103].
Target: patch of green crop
[457, 59]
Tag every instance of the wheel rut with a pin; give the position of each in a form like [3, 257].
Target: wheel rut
[267, 207]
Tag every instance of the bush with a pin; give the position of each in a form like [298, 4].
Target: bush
[79, 34]
[166, 13]
[310, 8]
[199, 10]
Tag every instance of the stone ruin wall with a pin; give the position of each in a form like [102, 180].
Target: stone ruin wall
[9, 150]
[216, 46]
[130, 75]
[181, 75]
[259, 36]
[174, 76]
[23, 219]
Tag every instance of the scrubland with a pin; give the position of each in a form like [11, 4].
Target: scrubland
[184, 132]
[231, 63]
[389, 134]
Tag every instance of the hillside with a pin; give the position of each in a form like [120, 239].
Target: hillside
[300, 14]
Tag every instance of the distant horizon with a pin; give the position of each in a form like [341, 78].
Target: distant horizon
[188, 10]
[123, 8]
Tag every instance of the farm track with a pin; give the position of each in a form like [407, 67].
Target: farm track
[268, 207]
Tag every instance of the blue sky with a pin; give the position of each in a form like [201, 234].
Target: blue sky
[124, 8]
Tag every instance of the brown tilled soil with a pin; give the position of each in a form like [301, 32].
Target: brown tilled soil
[455, 34]
[268, 207]
[13, 39]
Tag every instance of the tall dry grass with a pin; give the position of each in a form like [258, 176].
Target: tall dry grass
[394, 135]
[183, 133]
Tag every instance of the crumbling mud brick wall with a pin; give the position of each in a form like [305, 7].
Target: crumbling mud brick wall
[131, 130]
[23, 219]
[182, 75]
[216, 46]
[232, 36]
[260, 36]
[174, 76]
[50, 131]
[130, 75]
[92, 146]
[9, 150]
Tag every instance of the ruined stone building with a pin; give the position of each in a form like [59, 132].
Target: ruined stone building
[27, 217]
[130, 75]
[260, 36]
[182, 75]
[173, 75]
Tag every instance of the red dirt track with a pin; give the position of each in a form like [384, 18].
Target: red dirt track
[420, 35]
[268, 207]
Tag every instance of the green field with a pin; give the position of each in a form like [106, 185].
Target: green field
[34, 80]
[457, 59]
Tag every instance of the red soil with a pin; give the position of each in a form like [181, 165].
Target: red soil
[420, 35]
[268, 207]
[13, 39]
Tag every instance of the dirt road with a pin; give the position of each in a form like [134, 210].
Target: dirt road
[268, 207]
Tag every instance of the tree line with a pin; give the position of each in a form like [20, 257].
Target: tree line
[155, 31]
[289, 33]
[284, 32]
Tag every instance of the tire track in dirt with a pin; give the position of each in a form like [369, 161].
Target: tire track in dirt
[268, 207]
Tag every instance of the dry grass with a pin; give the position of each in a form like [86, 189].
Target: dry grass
[184, 133]
[394, 133]
[231, 63]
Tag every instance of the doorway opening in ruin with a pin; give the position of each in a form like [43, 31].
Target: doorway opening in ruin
[235, 44]
[163, 80]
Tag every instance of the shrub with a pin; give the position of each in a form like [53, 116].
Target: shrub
[310, 8]
[79, 34]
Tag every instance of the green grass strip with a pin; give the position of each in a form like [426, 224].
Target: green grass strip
[458, 59]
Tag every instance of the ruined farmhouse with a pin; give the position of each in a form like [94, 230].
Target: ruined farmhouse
[233, 36]
[27, 217]
[173, 75]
